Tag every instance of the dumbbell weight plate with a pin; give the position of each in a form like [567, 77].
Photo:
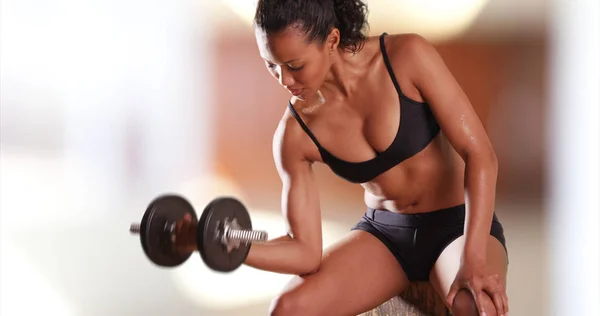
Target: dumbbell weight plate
[155, 239]
[214, 252]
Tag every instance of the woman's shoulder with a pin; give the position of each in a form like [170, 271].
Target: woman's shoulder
[407, 45]
[289, 139]
[288, 129]
[409, 55]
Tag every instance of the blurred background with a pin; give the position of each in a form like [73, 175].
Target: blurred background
[107, 104]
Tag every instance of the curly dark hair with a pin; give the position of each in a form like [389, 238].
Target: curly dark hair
[316, 18]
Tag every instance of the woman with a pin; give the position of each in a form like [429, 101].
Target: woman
[378, 111]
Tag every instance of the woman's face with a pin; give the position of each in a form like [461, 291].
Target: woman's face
[299, 66]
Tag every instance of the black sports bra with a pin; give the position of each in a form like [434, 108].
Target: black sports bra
[417, 129]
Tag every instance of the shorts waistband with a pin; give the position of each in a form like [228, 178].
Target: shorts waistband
[450, 215]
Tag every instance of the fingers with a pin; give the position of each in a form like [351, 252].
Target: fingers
[498, 296]
[480, 297]
[505, 300]
[451, 295]
[499, 303]
[484, 299]
[182, 232]
[482, 286]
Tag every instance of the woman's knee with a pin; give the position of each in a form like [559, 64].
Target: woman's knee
[289, 303]
[464, 305]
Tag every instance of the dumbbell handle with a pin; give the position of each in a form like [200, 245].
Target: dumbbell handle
[246, 236]
[232, 234]
[134, 229]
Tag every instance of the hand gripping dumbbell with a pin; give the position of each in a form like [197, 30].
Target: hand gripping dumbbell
[223, 234]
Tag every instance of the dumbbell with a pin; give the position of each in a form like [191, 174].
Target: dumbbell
[223, 239]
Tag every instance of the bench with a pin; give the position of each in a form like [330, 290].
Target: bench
[419, 299]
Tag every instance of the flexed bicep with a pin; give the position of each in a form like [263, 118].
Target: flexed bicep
[300, 250]
[299, 196]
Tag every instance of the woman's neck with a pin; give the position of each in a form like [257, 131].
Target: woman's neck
[346, 72]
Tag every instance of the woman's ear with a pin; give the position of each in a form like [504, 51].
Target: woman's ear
[333, 40]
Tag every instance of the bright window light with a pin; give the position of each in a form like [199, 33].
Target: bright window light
[435, 18]
[244, 9]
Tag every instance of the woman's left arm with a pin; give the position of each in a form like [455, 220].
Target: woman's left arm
[464, 130]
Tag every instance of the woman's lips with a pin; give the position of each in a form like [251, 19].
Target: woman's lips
[296, 92]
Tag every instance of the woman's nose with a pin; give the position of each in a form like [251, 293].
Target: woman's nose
[285, 78]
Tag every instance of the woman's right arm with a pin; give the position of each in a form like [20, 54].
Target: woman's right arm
[299, 251]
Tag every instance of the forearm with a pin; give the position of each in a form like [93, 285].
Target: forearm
[283, 255]
[480, 193]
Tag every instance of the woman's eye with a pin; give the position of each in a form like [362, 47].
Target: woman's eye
[295, 68]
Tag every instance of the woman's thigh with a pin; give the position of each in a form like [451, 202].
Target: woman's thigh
[358, 273]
